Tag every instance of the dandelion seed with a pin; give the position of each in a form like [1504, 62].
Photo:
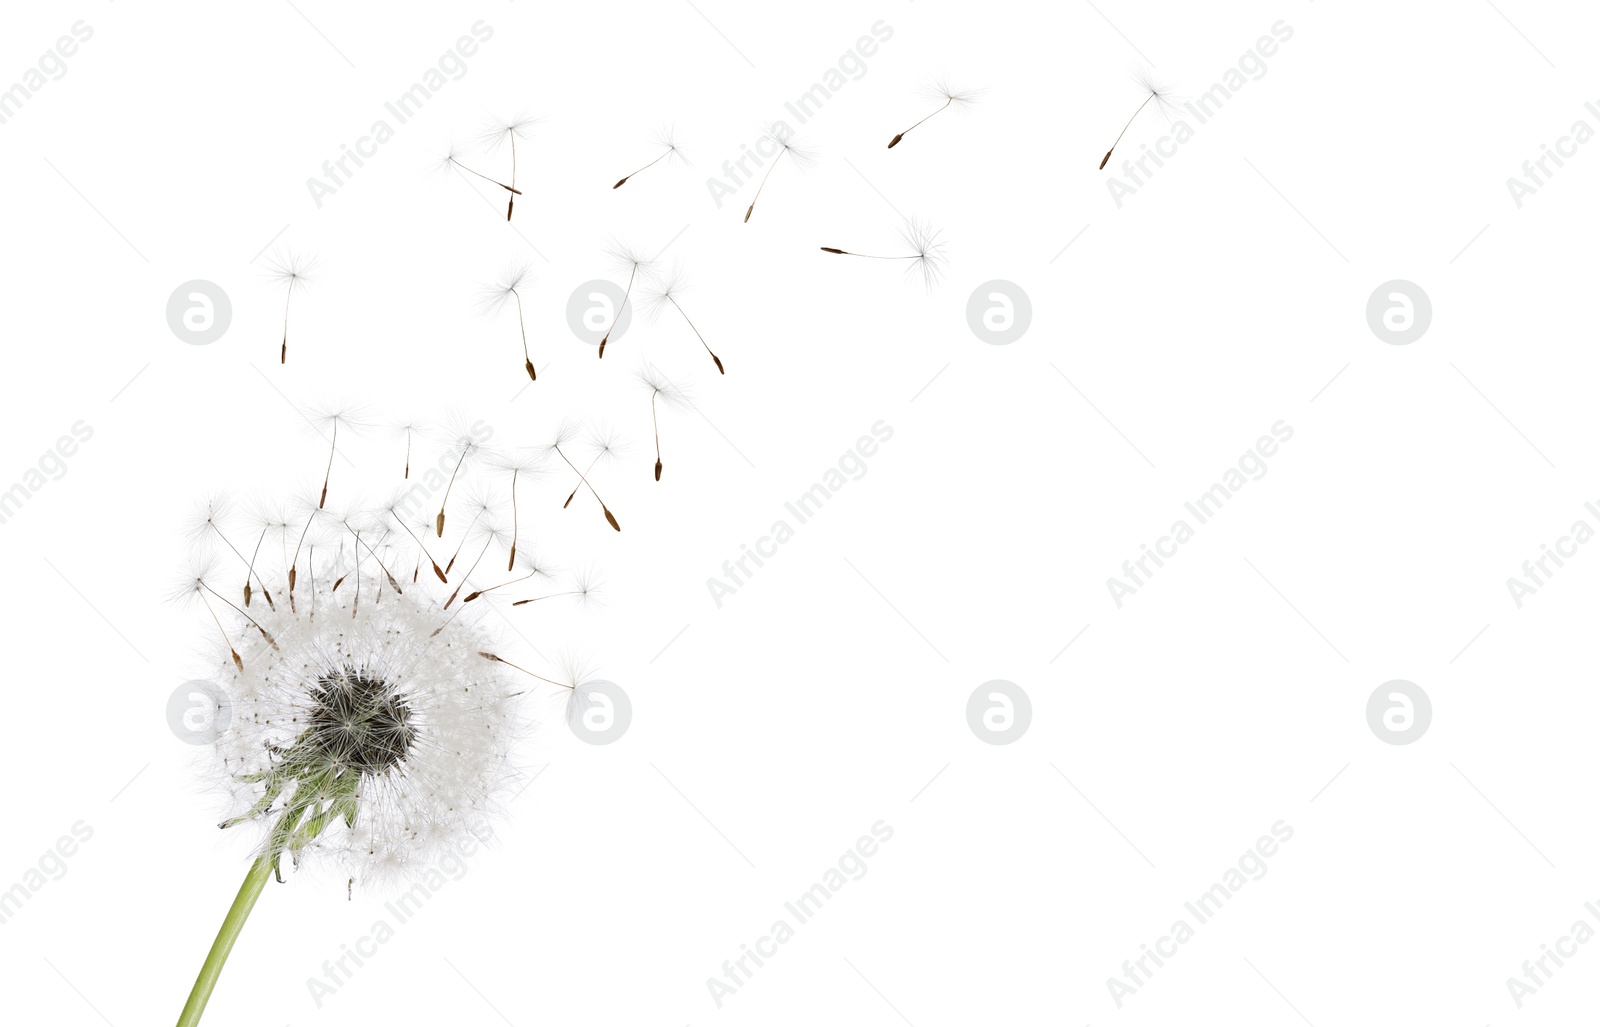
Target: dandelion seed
[667, 140]
[520, 466]
[409, 430]
[464, 446]
[328, 422]
[207, 524]
[940, 89]
[671, 288]
[801, 155]
[584, 589]
[636, 264]
[605, 444]
[926, 258]
[452, 159]
[662, 390]
[1164, 101]
[506, 289]
[294, 272]
[501, 133]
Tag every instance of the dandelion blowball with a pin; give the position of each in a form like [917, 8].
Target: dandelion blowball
[371, 732]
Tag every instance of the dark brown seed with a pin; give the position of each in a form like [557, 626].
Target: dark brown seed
[830, 249]
[612, 519]
[529, 365]
[896, 139]
[619, 183]
[658, 470]
[1106, 158]
[603, 345]
[718, 363]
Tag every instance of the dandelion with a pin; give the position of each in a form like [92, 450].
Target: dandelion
[670, 289]
[801, 155]
[370, 728]
[1164, 101]
[501, 133]
[507, 288]
[926, 257]
[293, 272]
[940, 89]
[662, 390]
[667, 140]
[625, 258]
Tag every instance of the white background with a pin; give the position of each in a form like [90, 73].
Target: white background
[830, 692]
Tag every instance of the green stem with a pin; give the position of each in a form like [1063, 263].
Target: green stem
[232, 924]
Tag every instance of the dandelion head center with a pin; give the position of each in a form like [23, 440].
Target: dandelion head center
[359, 721]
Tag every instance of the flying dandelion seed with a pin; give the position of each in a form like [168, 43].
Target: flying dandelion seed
[506, 289]
[523, 467]
[667, 394]
[925, 259]
[408, 430]
[637, 265]
[604, 444]
[451, 160]
[370, 727]
[1165, 102]
[294, 272]
[327, 422]
[501, 133]
[672, 286]
[801, 155]
[940, 89]
[463, 447]
[667, 140]
[584, 589]
[205, 528]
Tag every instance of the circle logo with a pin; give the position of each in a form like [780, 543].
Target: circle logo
[198, 312]
[1399, 712]
[1398, 312]
[599, 712]
[999, 712]
[198, 712]
[599, 310]
[998, 312]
